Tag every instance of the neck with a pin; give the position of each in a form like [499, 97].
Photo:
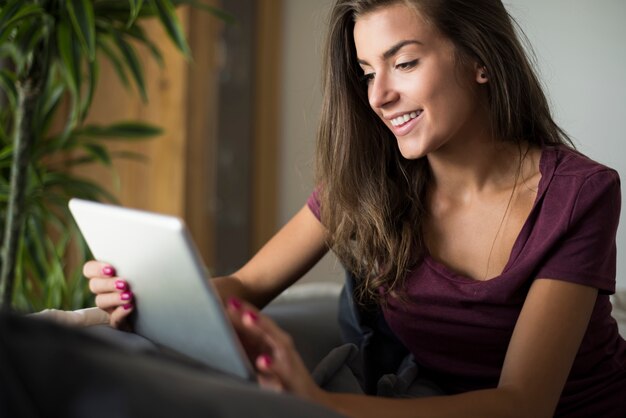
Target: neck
[481, 165]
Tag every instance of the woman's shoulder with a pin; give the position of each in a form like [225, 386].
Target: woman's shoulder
[572, 179]
[568, 162]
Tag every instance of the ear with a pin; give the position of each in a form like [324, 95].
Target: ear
[482, 77]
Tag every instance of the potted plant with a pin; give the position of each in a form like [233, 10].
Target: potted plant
[49, 52]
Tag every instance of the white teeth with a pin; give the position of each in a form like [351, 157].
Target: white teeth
[400, 120]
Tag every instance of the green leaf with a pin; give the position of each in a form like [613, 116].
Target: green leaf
[93, 76]
[6, 152]
[123, 130]
[23, 292]
[7, 12]
[74, 162]
[166, 12]
[120, 11]
[53, 96]
[70, 69]
[20, 293]
[28, 37]
[132, 62]
[7, 84]
[55, 283]
[13, 13]
[83, 21]
[90, 159]
[10, 50]
[4, 193]
[117, 63]
[34, 247]
[135, 8]
[77, 187]
[99, 152]
[138, 33]
[71, 66]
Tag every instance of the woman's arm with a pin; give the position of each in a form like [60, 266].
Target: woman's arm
[545, 341]
[279, 263]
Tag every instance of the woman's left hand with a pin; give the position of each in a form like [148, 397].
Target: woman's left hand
[271, 350]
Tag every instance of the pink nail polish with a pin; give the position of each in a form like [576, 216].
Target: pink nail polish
[108, 271]
[253, 316]
[121, 285]
[234, 303]
[265, 360]
[127, 306]
[126, 295]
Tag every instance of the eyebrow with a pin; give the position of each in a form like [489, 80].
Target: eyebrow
[394, 50]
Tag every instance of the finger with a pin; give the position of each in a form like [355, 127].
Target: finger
[118, 317]
[266, 377]
[258, 330]
[108, 301]
[279, 365]
[266, 329]
[251, 340]
[282, 362]
[250, 322]
[98, 285]
[96, 268]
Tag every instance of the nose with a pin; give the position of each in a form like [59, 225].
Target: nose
[381, 92]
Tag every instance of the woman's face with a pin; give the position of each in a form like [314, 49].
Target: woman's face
[414, 83]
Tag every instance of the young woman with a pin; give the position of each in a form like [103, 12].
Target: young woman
[446, 187]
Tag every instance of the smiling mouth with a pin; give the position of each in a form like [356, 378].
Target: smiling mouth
[401, 120]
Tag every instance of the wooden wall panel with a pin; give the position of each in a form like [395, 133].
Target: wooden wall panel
[202, 151]
[267, 128]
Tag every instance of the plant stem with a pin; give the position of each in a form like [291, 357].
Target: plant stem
[29, 90]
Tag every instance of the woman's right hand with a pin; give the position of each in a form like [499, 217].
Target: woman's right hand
[113, 294]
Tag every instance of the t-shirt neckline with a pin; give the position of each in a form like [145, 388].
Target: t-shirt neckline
[546, 168]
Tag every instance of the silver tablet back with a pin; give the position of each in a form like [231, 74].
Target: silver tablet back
[175, 304]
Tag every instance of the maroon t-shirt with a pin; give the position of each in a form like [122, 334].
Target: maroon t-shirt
[459, 328]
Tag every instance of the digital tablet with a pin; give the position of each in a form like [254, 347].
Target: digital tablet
[176, 305]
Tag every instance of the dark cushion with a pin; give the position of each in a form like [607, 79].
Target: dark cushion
[49, 370]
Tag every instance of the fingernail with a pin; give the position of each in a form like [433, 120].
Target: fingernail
[265, 360]
[121, 284]
[127, 306]
[253, 316]
[126, 295]
[234, 303]
[108, 271]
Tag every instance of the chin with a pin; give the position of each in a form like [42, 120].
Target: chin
[411, 151]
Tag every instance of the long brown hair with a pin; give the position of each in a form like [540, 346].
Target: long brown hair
[372, 199]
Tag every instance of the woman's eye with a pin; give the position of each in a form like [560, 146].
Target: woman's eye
[406, 65]
[367, 78]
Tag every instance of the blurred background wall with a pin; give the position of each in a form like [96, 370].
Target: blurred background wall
[304, 24]
[237, 157]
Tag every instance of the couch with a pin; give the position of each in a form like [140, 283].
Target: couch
[57, 367]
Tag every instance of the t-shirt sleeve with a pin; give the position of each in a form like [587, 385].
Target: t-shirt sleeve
[586, 253]
[313, 202]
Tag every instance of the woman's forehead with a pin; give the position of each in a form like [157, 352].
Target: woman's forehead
[380, 29]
